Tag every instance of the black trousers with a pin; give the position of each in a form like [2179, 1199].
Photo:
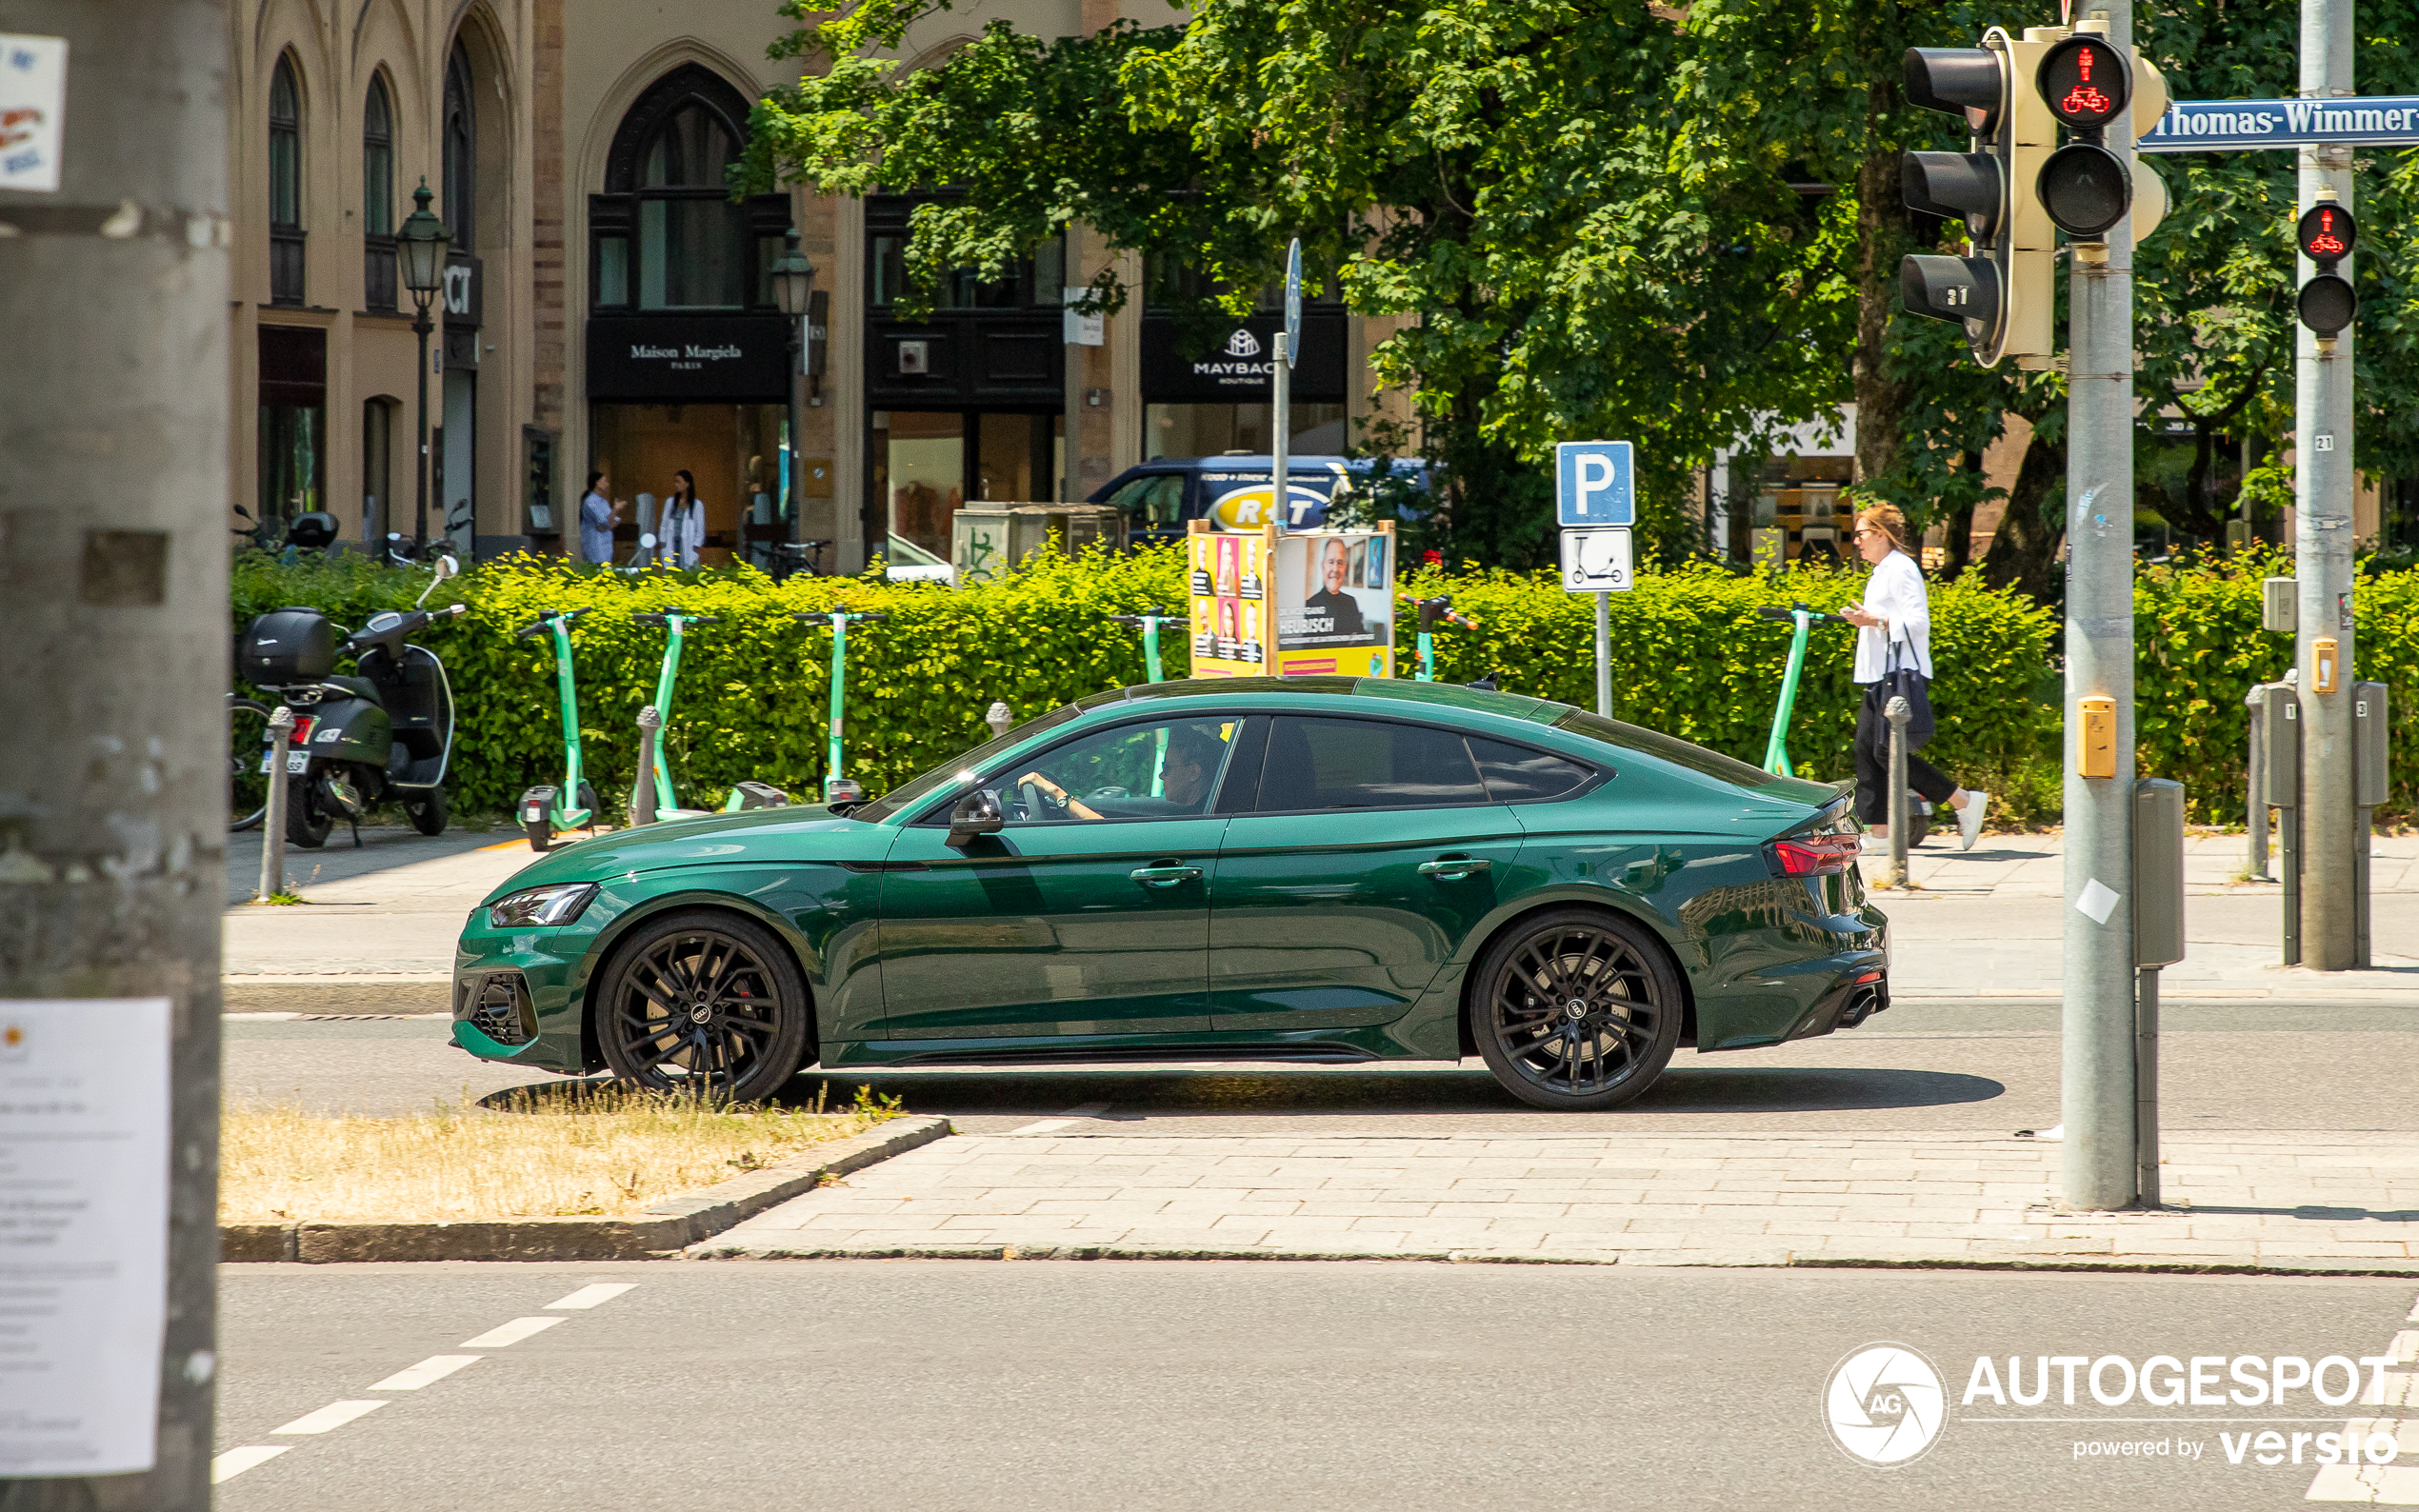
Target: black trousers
[1872, 765]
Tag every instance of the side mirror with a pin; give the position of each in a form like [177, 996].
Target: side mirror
[447, 566]
[977, 813]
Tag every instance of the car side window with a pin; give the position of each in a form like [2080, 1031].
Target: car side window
[1158, 769]
[1155, 502]
[1515, 774]
[1321, 763]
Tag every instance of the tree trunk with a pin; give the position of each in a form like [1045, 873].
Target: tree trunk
[1881, 400]
[2025, 550]
[1960, 525]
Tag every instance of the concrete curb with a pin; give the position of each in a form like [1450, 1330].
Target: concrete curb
[1740, 1258]
[661, 1231]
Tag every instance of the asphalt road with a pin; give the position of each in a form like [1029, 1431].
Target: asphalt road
[1987, 1068]
[1069, 1385]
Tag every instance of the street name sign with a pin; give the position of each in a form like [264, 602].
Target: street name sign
[1592, 485]
[1596, 561]
[2222, 126]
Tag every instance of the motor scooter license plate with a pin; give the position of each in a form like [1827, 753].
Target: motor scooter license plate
[297, 761]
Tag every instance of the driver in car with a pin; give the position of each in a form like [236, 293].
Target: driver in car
[1192, 765]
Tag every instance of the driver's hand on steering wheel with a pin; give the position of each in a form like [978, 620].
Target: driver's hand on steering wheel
[1056, 794]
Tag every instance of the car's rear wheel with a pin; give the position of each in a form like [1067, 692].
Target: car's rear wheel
[706, 1001]
[1576, 1009]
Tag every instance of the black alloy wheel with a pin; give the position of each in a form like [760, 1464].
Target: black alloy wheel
[246, 749]
[1577, 1009]
[704, 1002]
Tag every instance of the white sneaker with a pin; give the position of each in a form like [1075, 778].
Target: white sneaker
[1969, 817]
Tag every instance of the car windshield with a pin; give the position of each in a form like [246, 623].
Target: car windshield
[959, 768]
[1666, 748]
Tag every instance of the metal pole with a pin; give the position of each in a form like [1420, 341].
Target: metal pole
[273, 819]
[2322, 536]
[2097, 1151]
[113, 728]
[797, 434]
[2146, 1083]
[839, 690]
[422, 326]
[2256, 808]
[1281, 437]
[1604, 655]
[642, 793]
[1898, 713]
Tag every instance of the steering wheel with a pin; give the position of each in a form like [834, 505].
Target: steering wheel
[1039, 806]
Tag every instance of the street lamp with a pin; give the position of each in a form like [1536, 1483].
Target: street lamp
[793, 290]
[420, 245]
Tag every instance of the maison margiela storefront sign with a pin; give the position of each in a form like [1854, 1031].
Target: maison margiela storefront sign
[678, 359]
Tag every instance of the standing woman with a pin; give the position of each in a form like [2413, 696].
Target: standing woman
[1895, 630]
[682, 529]
[598, 515]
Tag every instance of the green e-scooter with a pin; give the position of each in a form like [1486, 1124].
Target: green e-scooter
[653, 758]
[1151, 620]
[837, 788]
[1431, 612]
[1776, 749]
[542, 809]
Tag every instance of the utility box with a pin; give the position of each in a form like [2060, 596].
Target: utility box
[988, 540]
[2282, 711]
[2158, 872]
[2367, 745]
[2280, 605]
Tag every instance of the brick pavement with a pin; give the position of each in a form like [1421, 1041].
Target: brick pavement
[2316, 1202]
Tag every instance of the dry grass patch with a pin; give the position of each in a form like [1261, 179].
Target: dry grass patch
[609, 1153]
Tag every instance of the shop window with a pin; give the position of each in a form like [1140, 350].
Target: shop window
[285, 186]
[378, 197]
[1209, 430]
[1797, 513]
[1034, 282]
[294, 426]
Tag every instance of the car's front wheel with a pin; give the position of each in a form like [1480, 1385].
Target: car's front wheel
[1576, 1009]
[706, 1001]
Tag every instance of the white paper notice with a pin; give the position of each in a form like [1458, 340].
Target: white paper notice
[83, 1090]
[33, 107]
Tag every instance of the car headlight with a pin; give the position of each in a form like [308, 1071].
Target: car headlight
[559, 903]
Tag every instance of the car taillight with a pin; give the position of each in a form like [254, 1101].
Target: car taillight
[1815, 856]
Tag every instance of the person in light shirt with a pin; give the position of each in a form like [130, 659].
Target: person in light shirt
[1894, 628]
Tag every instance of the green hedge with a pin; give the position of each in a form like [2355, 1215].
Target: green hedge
[1691, 658]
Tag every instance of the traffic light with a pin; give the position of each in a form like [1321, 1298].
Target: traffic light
[2085, 188]
[2326, 232]
[2000, 289]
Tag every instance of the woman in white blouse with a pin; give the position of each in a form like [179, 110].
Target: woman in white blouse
[1895, 630]
[682, 529]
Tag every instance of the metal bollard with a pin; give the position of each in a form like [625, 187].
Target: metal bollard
[2256, 808]
[273, 823]
[642, 798]
[998, 717]
[1898, 714]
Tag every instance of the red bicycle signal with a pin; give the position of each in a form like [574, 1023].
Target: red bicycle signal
[2085, 82]
[2327, 233]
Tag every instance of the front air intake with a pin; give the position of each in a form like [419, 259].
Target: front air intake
[499, 1007]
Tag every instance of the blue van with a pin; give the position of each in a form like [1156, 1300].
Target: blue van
[1233, 492]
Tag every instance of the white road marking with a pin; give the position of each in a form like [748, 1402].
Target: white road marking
[512, 1333]
[330, 1418]
[590, 1296]
[235, 1461]
[1074, 1115]
[2414, 1313]
[436, 1367]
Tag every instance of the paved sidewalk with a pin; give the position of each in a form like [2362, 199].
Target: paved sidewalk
[2026, 865]
[2318, 1202]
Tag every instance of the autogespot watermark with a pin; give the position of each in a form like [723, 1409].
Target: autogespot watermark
[1886, 1405]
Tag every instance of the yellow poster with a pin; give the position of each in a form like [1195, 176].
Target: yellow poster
[1229, 601]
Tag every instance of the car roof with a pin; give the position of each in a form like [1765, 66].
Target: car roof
[1378, 690]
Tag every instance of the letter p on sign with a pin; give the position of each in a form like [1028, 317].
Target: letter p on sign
[1592, 483]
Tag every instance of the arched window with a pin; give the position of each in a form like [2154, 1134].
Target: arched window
[378, 196]
[285, 186]
[461, 152]
[669, 236]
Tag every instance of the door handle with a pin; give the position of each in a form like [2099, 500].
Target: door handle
[1165, 876]
[1454, 869]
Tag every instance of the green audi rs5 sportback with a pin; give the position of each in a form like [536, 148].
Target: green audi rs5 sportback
[1314, 869]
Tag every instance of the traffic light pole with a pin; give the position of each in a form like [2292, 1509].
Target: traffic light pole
[114, 740]
[2097, 1102]
[2323, 539]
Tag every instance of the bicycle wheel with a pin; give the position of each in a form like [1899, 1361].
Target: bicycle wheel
[246, 786]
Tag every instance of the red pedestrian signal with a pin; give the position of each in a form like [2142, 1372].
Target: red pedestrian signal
[2086, 81]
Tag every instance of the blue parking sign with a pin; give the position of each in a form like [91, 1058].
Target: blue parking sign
[1592, 483]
